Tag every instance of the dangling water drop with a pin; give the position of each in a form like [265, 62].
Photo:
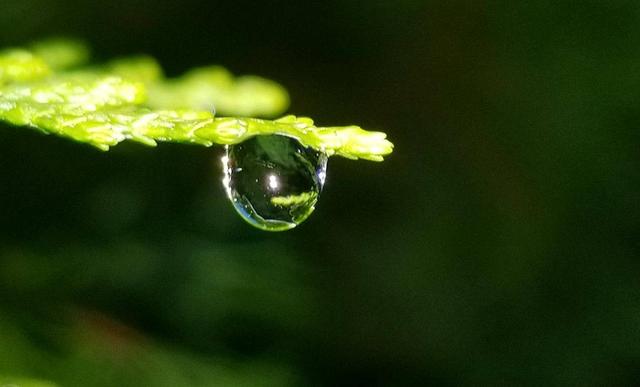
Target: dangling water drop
[273, 181]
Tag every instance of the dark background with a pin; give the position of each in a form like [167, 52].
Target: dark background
[497, 245]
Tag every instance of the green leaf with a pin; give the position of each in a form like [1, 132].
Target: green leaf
[61, 53]
[130, 99]
[21, 65]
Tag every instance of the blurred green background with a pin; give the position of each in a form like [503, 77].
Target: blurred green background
[497, 246]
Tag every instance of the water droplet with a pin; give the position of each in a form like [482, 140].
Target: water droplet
[273, 181]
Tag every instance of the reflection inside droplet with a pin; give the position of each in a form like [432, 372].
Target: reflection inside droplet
[273, 181]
